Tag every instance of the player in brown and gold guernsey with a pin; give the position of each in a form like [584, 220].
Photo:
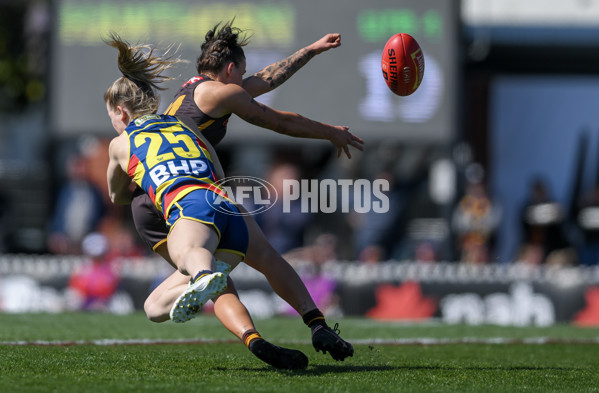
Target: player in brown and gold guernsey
[209, 99]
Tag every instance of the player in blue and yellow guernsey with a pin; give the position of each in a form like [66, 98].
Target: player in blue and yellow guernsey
[179, 171]
[174, 167]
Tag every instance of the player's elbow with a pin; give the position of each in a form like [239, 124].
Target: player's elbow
[119, 198]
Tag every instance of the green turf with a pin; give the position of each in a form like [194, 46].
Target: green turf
[228, 367]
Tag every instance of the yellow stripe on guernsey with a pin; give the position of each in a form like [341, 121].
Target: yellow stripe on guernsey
[205, 125]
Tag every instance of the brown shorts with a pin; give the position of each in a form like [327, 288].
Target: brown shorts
[148, 221]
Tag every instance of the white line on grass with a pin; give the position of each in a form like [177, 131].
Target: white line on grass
[374, 341]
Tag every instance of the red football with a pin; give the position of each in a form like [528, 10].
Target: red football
[402, 64]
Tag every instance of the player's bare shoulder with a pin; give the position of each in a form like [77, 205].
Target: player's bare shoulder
[217, 99]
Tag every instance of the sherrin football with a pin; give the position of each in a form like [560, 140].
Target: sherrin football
[402, 64]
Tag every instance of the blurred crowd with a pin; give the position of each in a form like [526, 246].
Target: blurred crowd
[413, 228]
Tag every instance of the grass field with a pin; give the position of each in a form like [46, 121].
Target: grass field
[91, 352]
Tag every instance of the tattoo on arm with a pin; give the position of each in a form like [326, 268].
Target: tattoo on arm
[277, 73]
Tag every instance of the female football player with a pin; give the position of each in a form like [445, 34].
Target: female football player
[178, 170]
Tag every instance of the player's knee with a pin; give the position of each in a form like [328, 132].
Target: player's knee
[155, 313]
[149, 310]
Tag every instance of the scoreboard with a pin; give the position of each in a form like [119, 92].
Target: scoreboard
[342, 86]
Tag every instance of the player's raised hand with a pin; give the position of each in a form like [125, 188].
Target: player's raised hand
[327, 42]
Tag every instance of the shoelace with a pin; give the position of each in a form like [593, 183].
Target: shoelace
[336, 329]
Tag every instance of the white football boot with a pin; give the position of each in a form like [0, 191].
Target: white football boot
[190, 303]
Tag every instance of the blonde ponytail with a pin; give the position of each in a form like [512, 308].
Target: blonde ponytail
[142, 73]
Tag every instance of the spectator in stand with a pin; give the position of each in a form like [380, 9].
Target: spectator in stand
[78, 210]
[309, 261]
[587, 219]
[5, 221]
[475, 220]
[284, 230]
[94, 282]
[543, 236]
[381, 236]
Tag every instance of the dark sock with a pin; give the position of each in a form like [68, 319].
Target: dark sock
[314, 319]
[274, 355]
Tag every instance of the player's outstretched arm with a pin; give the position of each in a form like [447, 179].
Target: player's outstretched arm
[234, 99]
[274, 75]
